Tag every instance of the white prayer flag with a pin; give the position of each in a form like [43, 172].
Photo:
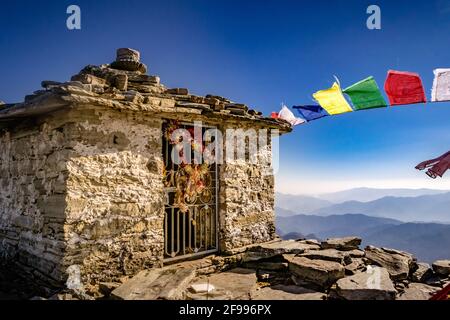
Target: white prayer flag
[441, 85]
[287, 115]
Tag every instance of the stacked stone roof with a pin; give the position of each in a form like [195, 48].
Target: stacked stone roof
[125, 84]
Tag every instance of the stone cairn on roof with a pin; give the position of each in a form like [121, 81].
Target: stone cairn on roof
[129, 59]
[126, 80]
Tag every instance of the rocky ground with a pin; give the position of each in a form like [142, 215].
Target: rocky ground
[298, 270]
[287, 270]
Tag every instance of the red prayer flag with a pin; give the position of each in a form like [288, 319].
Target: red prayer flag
[404, 88]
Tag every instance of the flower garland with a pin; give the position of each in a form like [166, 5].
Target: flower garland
[190, 180]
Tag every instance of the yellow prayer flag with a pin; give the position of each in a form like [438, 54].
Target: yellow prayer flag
[333, 100]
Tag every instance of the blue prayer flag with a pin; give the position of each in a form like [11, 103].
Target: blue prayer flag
[311, 112]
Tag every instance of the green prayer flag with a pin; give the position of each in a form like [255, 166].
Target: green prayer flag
[365, 94]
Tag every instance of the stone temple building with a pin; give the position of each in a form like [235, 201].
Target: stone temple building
[87, 178]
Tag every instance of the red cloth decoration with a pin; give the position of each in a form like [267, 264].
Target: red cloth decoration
[404, 88]
[437, 166]
[443, 294]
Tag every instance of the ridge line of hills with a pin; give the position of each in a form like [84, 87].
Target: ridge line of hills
[417, 223]
[426, 208]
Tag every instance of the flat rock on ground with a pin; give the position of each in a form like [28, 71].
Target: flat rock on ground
[272, 249]
[442, 267]
[266, 265]
[346, 243]
[397, 263]
[283, 292]
[236, 284]
[166, 283]
[329, 255]
[374, 284]
[418, 291]
[319, 272]
[357, 265]
[422, 273]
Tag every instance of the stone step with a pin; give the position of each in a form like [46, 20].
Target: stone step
[168, 283]
[235, 284]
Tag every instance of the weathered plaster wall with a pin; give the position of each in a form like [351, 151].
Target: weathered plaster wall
[115, 209]
[32, 195]
[246, 199]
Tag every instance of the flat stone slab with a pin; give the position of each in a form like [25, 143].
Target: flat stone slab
[270, 266]
[329, 255]
[319, 272]
[418, 291]
[235, 284]
[165, 283]
[345, 244]
[374, 284]
[442, 267]
[356, 253]
[283, 292]
[272, 249]
[398, 263]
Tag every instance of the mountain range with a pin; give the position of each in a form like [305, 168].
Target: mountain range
[414, 220]
[333, 225]
[427, 208]
[433, 206]
[371, 194]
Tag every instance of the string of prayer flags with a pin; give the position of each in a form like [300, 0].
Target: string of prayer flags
[332, 100]
[311, 112]
[287, 115]
[404, 88]
[441, 85]
[365, 94]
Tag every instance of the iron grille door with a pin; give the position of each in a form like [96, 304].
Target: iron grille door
[190, 221]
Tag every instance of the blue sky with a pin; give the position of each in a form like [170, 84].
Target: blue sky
[261, 53]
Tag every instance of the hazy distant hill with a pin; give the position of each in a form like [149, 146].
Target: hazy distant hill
[428, 208]
[331, 226]
[298, 203]
[371, 194]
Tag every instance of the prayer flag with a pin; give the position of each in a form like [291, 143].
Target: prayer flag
[287, 115]
[404, 88]
[332, 100]
[365, 94]
[310, 113]
[441, 85]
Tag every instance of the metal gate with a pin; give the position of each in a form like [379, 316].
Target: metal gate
[190, 221]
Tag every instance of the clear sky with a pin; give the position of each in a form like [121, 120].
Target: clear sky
[261, 53]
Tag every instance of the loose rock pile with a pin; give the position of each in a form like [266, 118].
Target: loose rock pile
[125, 81]
[338, 269]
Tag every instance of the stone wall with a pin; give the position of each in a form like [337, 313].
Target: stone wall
[115, 209]
[32, 197]
[246, 198]
[84, 187]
